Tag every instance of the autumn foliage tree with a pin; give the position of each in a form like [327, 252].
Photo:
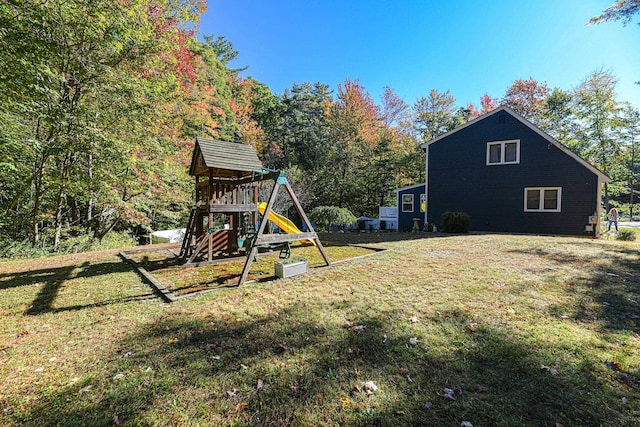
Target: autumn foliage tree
[81, 81]
[528, 98]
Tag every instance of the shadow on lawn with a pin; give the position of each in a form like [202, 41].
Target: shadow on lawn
[353, 237]
[52, 279]
[206, 372]
[612, 281]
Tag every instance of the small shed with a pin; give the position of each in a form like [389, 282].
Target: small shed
[411, 205]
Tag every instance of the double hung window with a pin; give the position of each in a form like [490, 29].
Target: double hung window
[503, 152]
[542, 199]
[407, 203]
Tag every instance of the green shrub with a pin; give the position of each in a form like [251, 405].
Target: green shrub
[626, 235]
[455, 222]
[70, 242]
[325, 216]
[18, 249]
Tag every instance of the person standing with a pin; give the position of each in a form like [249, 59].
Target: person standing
[612, 216]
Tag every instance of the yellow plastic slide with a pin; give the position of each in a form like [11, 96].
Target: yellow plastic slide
[284, 223]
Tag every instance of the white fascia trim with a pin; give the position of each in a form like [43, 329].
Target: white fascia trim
[534, 128]
[409, 187]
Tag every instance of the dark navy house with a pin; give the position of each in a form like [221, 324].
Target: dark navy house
[509, 176]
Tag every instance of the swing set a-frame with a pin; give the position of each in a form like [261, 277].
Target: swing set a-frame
[227, 177]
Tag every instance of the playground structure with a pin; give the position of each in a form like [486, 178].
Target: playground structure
[227, 178]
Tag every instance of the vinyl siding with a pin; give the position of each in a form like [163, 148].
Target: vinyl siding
[493, 195]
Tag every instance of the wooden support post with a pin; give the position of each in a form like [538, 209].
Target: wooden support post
[263, 223]
[306, 221]
[212, 198]
[254, 215]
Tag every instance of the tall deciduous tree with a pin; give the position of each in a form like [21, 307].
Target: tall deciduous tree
[527, 98]
[599, 111]
[487, 104]
[559, 120]
[354, 122]
[630, 135]
[78, 77]
[434, 114]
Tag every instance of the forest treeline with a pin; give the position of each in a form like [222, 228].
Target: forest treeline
[102, 101]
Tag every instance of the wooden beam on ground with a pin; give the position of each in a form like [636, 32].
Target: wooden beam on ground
[165, 293]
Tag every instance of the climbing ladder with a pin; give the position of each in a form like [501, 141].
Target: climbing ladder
[186, 248]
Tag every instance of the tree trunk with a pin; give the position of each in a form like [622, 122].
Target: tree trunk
[60, 201]
[37, 200]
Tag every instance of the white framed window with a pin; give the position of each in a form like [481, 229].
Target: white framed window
[503, 152]
[407, 203]
[543, 199]
[423, 203]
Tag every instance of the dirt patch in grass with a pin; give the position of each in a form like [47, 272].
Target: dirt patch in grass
[182, 280]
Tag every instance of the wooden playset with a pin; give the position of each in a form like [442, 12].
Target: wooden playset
[227, 178]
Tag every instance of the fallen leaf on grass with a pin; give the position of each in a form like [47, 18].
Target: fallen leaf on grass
[232, 393]
[370, 387]
[39, 369]
[614, 366]
[118, 376]
[472, 326]
[466, 424]
[428, 405]
[259, 385]
[414, 319]
[345, 402]
[447, 393]
[413, 341]
[172, 341]
[359, 328]
[241, 406]
[549, 369]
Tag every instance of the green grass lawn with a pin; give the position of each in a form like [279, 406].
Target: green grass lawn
[522, 330]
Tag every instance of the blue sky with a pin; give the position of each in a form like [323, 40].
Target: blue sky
[469, 47]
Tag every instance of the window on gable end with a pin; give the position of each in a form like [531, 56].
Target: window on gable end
[503, 152]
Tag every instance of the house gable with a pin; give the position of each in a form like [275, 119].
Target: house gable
[509, 176]
[501, 111]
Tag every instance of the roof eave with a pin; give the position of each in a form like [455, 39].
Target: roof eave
[601, 176]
